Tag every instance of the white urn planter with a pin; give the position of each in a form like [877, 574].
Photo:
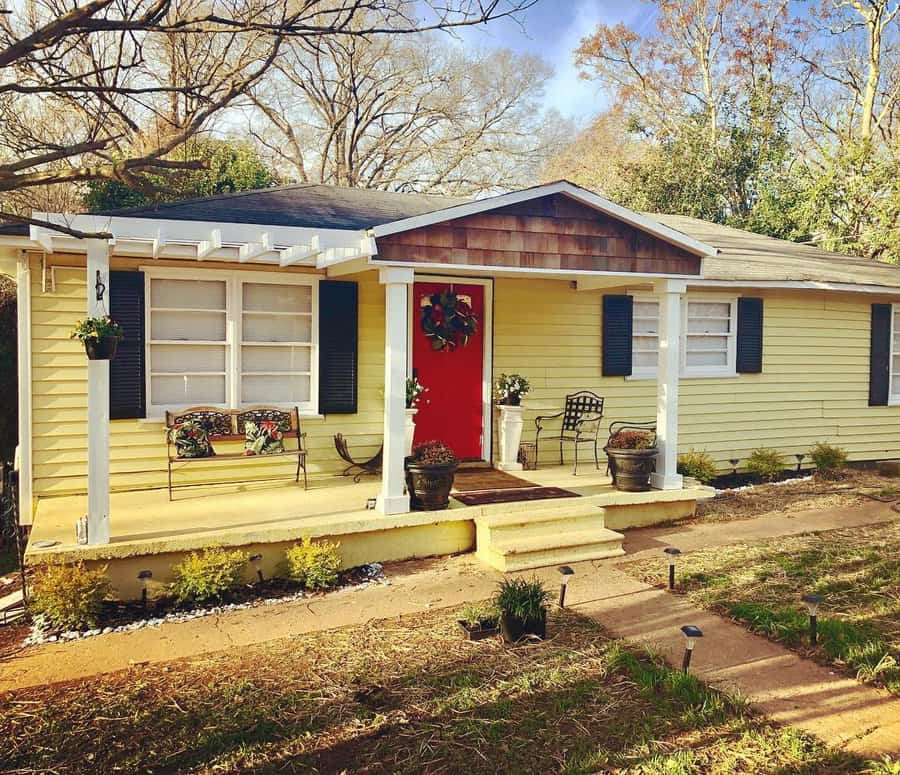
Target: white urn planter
[510, 425]
[410, 429]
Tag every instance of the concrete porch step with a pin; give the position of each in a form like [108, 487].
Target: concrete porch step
[529, 552]
[557, 532]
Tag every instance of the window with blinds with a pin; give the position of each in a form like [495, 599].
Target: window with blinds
[230, 342]
[708, 337]
[189, 348]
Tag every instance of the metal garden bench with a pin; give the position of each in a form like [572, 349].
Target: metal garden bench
[230, 425]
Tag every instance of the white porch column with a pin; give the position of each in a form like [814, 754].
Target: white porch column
[98, 401]
[23, 450]
[396, 281]
[669, 293]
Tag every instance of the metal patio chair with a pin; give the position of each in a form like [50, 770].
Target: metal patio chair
[580, 425]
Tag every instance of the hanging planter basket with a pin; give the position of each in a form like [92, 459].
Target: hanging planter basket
[103, 349]
[100, 336]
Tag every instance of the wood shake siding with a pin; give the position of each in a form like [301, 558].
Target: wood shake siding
[551, 233]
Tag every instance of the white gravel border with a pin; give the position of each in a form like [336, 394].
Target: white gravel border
[782, 483]
[373, 573]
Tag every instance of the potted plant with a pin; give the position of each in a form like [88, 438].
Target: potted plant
[632, 458]
[523, 608]
[479, 621]
[509, 390]
[414, 391]
[429, 475]
[101, 337]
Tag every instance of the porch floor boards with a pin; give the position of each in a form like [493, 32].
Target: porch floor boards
[145, 522]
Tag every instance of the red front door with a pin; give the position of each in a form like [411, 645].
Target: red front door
[452, 410]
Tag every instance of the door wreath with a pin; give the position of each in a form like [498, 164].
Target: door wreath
[447, 319]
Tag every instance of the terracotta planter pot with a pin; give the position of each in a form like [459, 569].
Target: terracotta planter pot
[631, 468]
[103, 349]
[514, 629]
[429, 486]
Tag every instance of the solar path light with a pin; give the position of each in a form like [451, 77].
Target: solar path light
[256, 559]
[691, 634]
[672, 553]
[812, 603]
[144, 576]
[566, 573]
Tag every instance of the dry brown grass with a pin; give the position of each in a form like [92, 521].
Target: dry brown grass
[402, 695]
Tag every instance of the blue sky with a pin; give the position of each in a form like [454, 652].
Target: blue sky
[552, 30]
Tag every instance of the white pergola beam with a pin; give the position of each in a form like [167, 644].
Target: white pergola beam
[297, 254]
[209, 246]
[250, 250]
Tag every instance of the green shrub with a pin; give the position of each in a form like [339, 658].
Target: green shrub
[521, 599]
[208, 575]
[767, 464]
[698, 464]
[829, 460]
[314, 565]
[69, 596]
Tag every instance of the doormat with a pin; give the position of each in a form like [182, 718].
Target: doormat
[478, 479]
[511, 496]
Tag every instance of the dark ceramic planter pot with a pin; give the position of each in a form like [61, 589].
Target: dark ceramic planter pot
[632, 468]
[429, 486]
[514, 399]
[514, 629]
[479, 631]
[102, 349]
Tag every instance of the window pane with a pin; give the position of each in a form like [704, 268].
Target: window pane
[188, 326]
[275, 358]
[717, 343]
[644, 360]
[272, 390]
[187, 390]
[265, 297]
[277, 328]
[179, 358]
[188, 294]
[895, 384]
[706, 358]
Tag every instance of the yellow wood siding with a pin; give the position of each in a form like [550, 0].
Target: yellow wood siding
[814, 385]
[137, 448]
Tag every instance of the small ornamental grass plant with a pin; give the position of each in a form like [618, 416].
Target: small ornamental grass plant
[766, 464]
[68, 597]
[520, 599]
[95, 329]
[697, 464]
[829, 460]
[483, 615]
[313, 564]
[432, 453]
[208, 575]
[632, 440]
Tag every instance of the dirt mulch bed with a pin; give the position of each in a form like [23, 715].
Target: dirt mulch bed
[404, 695]
[770, 499]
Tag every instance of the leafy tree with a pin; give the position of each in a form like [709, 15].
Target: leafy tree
[233, 166]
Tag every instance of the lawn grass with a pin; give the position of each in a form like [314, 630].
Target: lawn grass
[856, 571]
[411, 696]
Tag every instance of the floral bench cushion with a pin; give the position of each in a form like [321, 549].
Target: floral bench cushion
[191, 440]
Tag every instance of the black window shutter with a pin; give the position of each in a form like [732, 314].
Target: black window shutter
[880, 355]
[618, 324]
[126, 370]
[749, 335]
[338, 346]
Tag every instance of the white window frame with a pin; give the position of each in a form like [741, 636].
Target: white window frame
[893, 398]
[730, 370]
[234, 280]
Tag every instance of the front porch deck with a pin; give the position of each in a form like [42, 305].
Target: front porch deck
[149, 531]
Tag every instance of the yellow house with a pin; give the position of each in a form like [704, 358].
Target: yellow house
[325, 300]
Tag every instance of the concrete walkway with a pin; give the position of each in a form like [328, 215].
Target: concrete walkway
[791, 690]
